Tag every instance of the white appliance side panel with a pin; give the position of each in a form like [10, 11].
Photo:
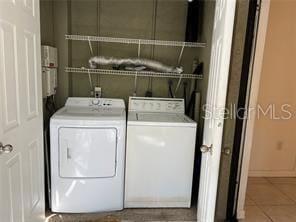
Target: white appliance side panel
[159, 166]
[87, 152]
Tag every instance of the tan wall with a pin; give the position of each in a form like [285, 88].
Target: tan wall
[274, 144]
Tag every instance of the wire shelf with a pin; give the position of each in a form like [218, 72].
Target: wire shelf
[135, 41]
[133, 73]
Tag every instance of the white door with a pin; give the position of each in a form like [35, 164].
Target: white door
[21, 164]
[216, 98]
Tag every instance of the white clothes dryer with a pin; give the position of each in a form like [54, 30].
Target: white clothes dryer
[87, 154]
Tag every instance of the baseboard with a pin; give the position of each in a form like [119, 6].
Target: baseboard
[272, 173]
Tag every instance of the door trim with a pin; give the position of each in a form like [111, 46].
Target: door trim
[247, 62]
[251, 101]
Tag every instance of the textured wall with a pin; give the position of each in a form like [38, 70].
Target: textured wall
[232, 98]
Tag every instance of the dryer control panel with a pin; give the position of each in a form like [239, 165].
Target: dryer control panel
[150, 104]
[95, 102]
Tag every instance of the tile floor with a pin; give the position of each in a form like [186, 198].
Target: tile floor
[271, 199]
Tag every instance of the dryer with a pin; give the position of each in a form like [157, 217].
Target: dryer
[159, 153]
[87, 154]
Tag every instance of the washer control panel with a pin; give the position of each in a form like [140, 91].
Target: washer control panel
[150, 104]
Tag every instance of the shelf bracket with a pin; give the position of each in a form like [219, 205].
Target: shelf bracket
[181, 75]
[181, 54]
[90, 47]
[136, 74]
[90, 82]
[178, 85]
[139, 48]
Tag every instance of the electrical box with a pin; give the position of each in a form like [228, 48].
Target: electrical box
[49, 56]
[49, 60]
[98, 92]
[49, 81]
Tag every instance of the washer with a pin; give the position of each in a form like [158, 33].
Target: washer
[159, 154]
[87, 150]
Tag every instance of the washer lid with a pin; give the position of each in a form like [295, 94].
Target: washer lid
[161, 117]
[164, 119]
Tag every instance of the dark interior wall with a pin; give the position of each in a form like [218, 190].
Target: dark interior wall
[241, 19]
[161, 19]
[47, 37]
[46, 20]
[155, 19]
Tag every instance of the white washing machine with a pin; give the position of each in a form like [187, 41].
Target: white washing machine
[87, 154]
[159, 154]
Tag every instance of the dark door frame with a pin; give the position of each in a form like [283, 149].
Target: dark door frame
[254, 7]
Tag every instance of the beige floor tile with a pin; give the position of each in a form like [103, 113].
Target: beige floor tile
[280, 180]
[281, 213]
[254, 214]
[257, 180]
[267, 194]
[249, 201]
[288, 189]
